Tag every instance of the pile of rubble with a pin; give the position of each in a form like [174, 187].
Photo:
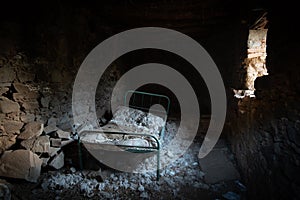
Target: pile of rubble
[182, 179]
[27, 148]
[26, 144]
[42, 147]
[34, 148]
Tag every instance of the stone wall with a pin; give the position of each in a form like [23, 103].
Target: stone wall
[265, 137]
[264, 131]
[29, 97]
[31, 108]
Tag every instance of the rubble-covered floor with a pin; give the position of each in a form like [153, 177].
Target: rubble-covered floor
[183, 179]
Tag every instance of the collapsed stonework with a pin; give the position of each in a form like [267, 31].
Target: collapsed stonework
[29, 137]
[254, 65]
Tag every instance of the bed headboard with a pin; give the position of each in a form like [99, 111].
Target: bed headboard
[144, 100]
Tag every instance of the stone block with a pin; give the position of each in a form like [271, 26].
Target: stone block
[7, 75]
[58, 161]
[3, 90]
[30, 106]
[40, 144]
[21, 88]
[29, 97]
[6, 141]
[63, 134]
[27, 117]
[55, 142]
[21, 164]
[8, 106]
[12, 127]
[32, 129]
[50, 129]
[53, 151]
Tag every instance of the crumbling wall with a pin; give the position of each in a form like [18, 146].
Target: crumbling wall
[264, 131]
[255, 63]
[265, 136]
[31, 112]
[29, 97]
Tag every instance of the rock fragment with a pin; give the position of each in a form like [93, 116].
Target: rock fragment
[21, 164]
[12, 127]
[63, 134]
[8, 106]
[58, 161]
[6, 141]
[32, 129]
[40, 144]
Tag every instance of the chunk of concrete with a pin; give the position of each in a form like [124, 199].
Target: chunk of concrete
[12, 127]
[21, 164]
[40, 144]
[32, 129]
[8, 106]
[58, 161]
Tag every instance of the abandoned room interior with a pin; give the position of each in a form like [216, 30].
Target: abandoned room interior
[145, 99]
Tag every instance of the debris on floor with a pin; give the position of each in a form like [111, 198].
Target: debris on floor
[33, 148]
[231, 196]
[5, 188]
[182, 179]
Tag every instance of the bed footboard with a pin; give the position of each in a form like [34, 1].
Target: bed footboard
[130, 148]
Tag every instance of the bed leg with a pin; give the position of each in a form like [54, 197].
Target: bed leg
[157, 170]
[80, 154]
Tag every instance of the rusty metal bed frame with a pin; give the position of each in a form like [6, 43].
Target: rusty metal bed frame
[141, 101]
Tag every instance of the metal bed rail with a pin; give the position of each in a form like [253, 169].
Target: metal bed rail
[129, 147]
